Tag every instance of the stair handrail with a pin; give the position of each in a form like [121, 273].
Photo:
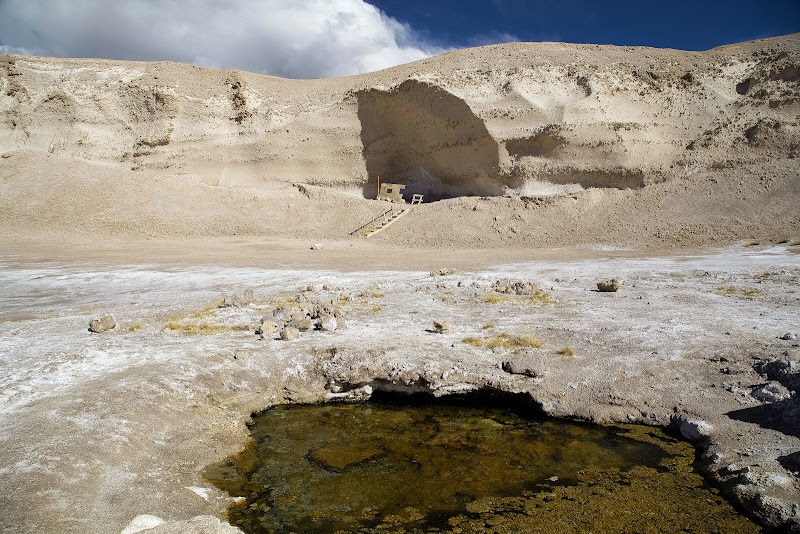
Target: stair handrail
[371, 222]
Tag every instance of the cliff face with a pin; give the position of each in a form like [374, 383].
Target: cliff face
[521, 118]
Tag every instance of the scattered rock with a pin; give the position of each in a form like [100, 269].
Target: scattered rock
[771, 392]
[268, 328]
[608, 286]
[328, 323]
[352, 395]
[238, 300]
[327, 287]
[515, 287]
[316, 246]
[694, 430]
[443, 271]
[290, 334]
[102, 324]
[524, 366]
[311, 288]
[304, 324]
[442, 327]
[788, 336]
[784, 368]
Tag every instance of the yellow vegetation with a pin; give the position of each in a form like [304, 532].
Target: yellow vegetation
[732, 291]
[566, 351]
[203, 328]
[506, 341]
[492, 298]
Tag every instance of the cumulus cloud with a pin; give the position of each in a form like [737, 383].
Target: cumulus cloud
[290, 38]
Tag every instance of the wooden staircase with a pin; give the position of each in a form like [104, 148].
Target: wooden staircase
[381, 221]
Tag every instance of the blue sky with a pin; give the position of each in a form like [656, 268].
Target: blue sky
[321, 38]
[682, 24]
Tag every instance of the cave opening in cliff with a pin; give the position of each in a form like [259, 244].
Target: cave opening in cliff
[425, 137]
[416, 463]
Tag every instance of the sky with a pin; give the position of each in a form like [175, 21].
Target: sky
[322, 38]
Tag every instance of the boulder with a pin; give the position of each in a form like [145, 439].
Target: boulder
[771, 392]
[239, 300]
[290, 334]
[303, 324]
[328, 323]
[608, 286]
[267, 328]
[694, 430]
[102, 324]
[442, 326]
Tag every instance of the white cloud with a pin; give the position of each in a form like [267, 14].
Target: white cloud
[291, 38]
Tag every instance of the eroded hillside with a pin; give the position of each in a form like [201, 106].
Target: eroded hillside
[170, 142]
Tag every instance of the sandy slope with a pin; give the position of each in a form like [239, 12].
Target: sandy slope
[163, 149]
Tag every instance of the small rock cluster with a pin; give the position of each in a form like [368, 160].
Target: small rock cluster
[443, 271]
[515, 287]
[608, 286]
[302, 315]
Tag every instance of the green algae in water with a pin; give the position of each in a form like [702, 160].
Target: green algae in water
[384, 467]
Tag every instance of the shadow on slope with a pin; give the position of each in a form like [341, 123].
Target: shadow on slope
[420, 135]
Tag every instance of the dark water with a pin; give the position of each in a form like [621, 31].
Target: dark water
[386, 467]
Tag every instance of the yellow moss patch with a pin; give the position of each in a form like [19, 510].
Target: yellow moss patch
[493, 298]
[566, 351]
[508, 341]
[487, 326]
[474, 341]
[751, 244]
[541, 297]
[202, 328]
[732, 291]
[134, 327]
